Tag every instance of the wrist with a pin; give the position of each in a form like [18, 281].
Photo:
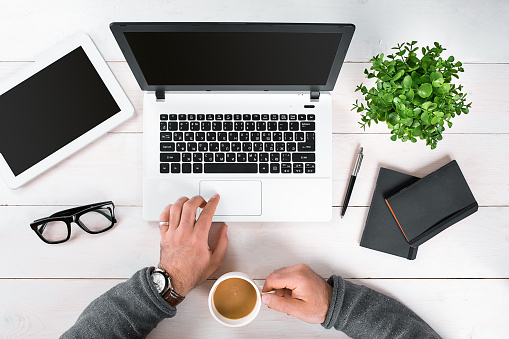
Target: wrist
[165, 287]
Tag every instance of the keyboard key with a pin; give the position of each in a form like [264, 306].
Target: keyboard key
[200, 136]
[280, 147]
[197, 157]
[178, 136]
[244, 136]
[288, 136]
[167, 147]
[214, 147]
[222, 136]
[246, 117]
[306, 146]
[183, 126]
[237, 116]
[310, 136]
[194, 126]
[264, 168]
[208, 157]
[298, 168]
[211, 136]
[286, 157]
[225, 147]
[266, 136]
[264, 157]
[236, 146]
[228, 117]
[299, 136]
[175, 168]
[191, 117]
[217, 126]
[163, 126]
[269, 147]
[261, 126]
[219, 117]
[170, 157]
[163, 117]
[294, 126]
[298, 165]
[172, 117]
[272, 126]
[283, 116]
[219, 157]
[255, 116]
[302, 117]
[241, 157]
[307, 126]
[189, 136]
[293, 116]
[164, 168]
[181, 147]
[192, 147]
[230, 157]
[310, 168]
[283, 126]
[206, 125]
[311, 117]
[209, 116]
[274, 157]
[291, 147]
[238, 126]
[265, 117]
[231, 168]
[258, 146]
[186, 157]
[274, 168]
[227, 126]
[286, 168]
[203, 147]
[173, 126]
[197, 168]
[247, 147]
[165, 136]
[182, 117]
[250, 126]
[252, 157]
[255, 136]
[186, 168]
[233, 136]
[277, 136]
[200, 117]
[303, 157]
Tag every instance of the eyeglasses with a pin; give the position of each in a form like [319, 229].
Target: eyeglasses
[93, 219]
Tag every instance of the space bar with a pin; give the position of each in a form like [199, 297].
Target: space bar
[231, 168]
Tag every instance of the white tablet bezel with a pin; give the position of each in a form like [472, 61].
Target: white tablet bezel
[52, 55]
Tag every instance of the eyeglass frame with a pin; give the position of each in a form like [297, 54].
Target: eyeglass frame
[72, 215]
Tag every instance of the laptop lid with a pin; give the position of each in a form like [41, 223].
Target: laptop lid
[234, 56]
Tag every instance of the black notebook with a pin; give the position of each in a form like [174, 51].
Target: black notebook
[431, 204]
[381, 232]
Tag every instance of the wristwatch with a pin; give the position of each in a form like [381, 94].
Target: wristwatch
[162, 282]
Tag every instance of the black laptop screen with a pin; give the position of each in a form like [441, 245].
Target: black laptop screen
[234, 58]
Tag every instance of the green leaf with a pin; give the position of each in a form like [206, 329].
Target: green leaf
[410, 95]
[394, 137]
[425, 117]
[435, 75]
[398, 75]
[393, 118]
[449, 124]
[450, 59]
[407, 81]
[425, 90]
[408, 121]
[426, 104]
[438, 82]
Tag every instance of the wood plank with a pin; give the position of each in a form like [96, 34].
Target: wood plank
[28, 313]
[477, 247]
[93, 173]
[465, 29]
[485, 85]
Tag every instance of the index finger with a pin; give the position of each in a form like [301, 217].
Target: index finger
[205, 219]
[281, 279]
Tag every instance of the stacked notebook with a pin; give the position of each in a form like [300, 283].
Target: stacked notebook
[407, 211]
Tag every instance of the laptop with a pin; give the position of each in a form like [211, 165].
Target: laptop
[238, 109]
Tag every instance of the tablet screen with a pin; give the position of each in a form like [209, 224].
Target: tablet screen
[51, 109]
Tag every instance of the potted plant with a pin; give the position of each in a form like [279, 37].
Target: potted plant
[415, 97]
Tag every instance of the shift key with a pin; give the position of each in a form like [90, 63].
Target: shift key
[170, 157]
[303, 157]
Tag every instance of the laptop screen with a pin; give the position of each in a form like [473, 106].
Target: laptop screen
[234, 58]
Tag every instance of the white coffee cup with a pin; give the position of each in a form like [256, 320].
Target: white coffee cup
[234, 322]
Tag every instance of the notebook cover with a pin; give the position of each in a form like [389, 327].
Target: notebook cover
[432, 204]
[381, 232]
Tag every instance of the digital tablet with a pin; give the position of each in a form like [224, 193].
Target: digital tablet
[51, 109]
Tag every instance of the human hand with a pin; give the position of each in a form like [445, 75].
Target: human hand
[185, 253]
[300, 292]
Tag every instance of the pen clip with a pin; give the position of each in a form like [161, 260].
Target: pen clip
[358, 163]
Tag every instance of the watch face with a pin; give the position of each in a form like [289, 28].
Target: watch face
[159, 281]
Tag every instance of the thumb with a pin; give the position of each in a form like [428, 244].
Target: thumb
[219, 250]
[289, 306]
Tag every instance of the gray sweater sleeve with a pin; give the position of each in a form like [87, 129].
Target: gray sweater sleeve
[361, 312]
[131, 309]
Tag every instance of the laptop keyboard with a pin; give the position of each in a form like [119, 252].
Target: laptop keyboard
[237, 143]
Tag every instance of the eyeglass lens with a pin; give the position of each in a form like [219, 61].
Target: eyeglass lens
[98, 219]
[54, 231]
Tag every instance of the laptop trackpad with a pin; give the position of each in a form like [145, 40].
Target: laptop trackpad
[238, 197]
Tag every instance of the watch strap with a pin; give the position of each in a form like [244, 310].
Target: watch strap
[172, 297]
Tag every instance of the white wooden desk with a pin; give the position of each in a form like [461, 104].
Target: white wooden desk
[459, 282]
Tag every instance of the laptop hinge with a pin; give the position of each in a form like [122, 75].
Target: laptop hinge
[315, 95]
[160, 95]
